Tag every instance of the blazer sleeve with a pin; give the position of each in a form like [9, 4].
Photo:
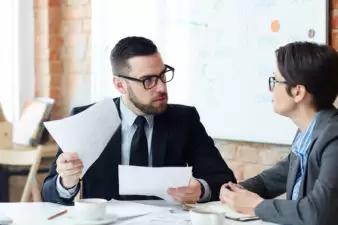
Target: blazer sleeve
[49, 192]
[271, 182]
[319, 206]
[205, 158]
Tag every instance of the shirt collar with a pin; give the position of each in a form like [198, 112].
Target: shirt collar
[304, 138]
[129, 116]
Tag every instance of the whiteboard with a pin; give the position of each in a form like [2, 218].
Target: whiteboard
[223, 53]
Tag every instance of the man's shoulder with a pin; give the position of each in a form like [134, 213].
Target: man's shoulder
[180, 115]
[327, 129]
[81, 108]
[331, 128]
[178, 109]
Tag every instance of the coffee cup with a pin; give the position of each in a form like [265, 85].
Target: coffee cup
[206, 216]
[89, 209]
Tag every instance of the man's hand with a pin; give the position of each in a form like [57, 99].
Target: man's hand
[189, 194]
[69, 167]
[240, 199]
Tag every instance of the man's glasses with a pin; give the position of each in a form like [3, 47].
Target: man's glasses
[273, 81]
[151, 81]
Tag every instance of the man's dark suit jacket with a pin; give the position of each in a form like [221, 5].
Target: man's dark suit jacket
[317, 202]
[179, 139]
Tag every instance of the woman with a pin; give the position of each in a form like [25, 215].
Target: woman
[304, 87]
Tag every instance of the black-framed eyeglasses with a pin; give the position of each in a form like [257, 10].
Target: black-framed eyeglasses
[150, 81]
[273, 81]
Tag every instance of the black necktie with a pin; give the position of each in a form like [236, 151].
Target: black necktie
[139, 146]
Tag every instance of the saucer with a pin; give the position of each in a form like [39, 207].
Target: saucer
[108, 219]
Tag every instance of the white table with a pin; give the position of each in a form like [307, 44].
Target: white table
[37, 214]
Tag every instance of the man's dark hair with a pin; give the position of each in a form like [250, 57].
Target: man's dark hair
[312, 65]
[127, 48]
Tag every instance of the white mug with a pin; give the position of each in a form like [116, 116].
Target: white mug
[207, 216]
[89, 209]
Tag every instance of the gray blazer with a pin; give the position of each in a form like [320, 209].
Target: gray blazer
[317, 203]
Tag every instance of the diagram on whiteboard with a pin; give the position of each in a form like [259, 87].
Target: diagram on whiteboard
[223, 52]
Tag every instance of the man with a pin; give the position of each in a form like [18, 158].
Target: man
[153, 133]
[304, 88]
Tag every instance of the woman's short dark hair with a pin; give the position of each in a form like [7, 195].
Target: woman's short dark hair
[312, 65]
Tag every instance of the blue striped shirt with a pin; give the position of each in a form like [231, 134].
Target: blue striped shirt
[301, 148]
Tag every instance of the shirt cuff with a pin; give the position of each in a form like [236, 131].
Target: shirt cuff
[64, 193]
[207, 191]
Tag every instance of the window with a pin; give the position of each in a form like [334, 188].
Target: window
[7, 58]
[16, 56]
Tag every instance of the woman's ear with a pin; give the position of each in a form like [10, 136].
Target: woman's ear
[299, 93]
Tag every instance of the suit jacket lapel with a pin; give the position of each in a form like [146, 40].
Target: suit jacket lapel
[303, 182]
[114, 145]
[295, 169]
[115, 142]
[159, 140]
[293, 172]
[117, 104]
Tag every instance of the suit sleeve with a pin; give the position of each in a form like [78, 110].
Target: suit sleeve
[205, 158]
[319, 206]
[271, 182]
[49, 192]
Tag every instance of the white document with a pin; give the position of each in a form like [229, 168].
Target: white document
[127, 209]
[161, 218]
[86, 133]
[152, 181]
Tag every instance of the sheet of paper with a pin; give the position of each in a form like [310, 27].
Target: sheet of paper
[127, 209]
[152, 181]
[151, 212]
[161, 218]
[88, 132]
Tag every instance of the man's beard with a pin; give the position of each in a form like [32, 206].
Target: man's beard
[148, 109]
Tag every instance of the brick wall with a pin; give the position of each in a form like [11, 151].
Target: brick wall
[62, 51]
[62, 45]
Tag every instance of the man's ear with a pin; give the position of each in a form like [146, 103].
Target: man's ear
[120, 85]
